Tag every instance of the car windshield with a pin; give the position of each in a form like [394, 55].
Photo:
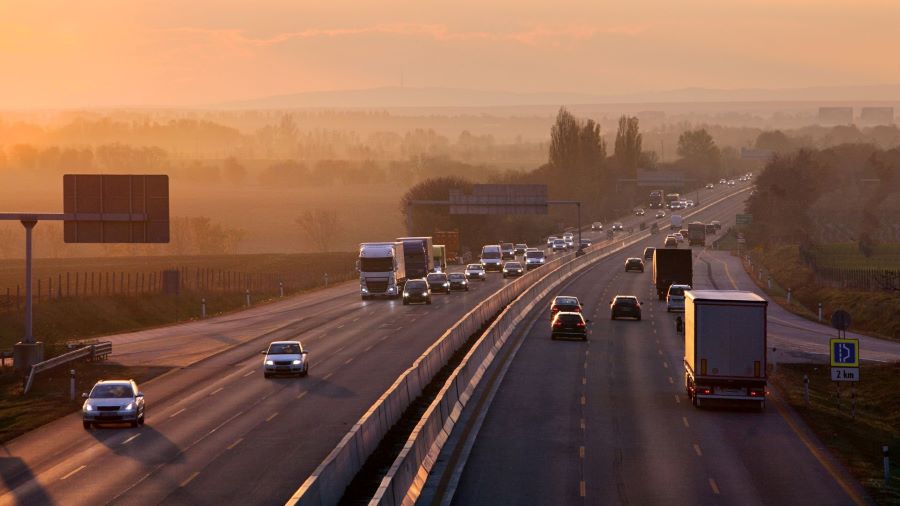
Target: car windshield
[558, 241]
[112, 391]
[625, 301]
[376, 264]
[507, 246]
[534, 254]
[437, 277]
[566, 301]
[521, 246]
[457, 277]
[490, 254]
[415, 285]
[571, 318]
[676, 290]
[513, 265]
[473, 267]
[284, 349]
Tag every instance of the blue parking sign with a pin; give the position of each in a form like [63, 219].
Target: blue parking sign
[844, 353]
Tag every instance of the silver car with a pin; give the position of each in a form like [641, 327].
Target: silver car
[113, 401]
[285, 357]
[475, 271]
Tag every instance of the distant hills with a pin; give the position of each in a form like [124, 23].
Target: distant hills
[396, 97]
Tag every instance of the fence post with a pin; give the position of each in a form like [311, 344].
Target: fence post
[887, 463]
[789, 296]
[281, 288]
[806, 389]
[326, 280]
[820, 311]
[247, 300]
[71, 384]
[203, 308]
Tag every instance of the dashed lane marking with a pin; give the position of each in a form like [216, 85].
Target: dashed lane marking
[581, 452]
[581, 490]
[697, 450]
[189, 479]
[685, 421]
[249, 373]
[665, 364]
[584, 380]
[671, 381]
[132, 438]
[714, 486]
[302, 394]
[348, 360]
[272, 416]
[583, 424]
[173, 415]
[327, 376]
[677, 399]
[214, 392]
[583, 400]
[232, 445]
[77, 469]
[369, 347]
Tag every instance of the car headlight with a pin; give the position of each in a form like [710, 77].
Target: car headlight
[406, 294]
[129, 407]
[88, 407]
[297, 362]
[270, 362]
[392, 290]
[365, 290]
[447, 283]
[424, 294]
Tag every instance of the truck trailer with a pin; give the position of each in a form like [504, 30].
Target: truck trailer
[672, 266]
[417, 256]
[696, 234]
[725, 346]
[439, 257]
[382, 270]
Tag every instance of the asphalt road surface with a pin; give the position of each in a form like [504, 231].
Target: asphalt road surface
[217, 432]
[607, 421]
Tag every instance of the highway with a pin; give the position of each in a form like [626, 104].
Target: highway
[607, 421]
[217, 432]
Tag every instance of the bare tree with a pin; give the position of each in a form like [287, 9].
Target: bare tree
[320, 226]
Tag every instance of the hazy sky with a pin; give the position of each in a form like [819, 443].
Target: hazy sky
[195, 52]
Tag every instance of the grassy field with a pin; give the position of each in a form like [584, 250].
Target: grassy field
[48, 398]
[848, 256]
[855, 441]
[56, 321]
[873, 312]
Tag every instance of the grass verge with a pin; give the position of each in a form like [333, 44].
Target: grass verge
[49, 395]
[856, 442]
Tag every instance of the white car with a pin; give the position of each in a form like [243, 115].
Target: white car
[285, 357]
[533, 258]
[550, 240]
[660, 214]
[113, 401]
[678, 237]
[559, 245]
[476, 271]
[675, 297]
[722, 181]
[731, 182]
[690, 203]
[570, 239]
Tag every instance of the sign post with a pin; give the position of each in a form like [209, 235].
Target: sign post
[844, 354]
[97, 209]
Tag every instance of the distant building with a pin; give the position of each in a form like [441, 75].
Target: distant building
[873, 116]
[830, 116]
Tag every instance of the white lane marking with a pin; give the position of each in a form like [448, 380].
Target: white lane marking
[302, 394]
[79, 468]
[714, 486]
[132, 438]
[327, 376]
[214, 392]
[685, 421]
[382, 338]
[665, 364]
[189, 479]
[355, 319]
[369, 347]
[583, 400]
[581, 490]
[348, 360]
[581, 452]
[249, 373]
[671, 381]
[583, 424]
[173, 415]
[273, 415]
[697, 450]
[341, 326]
[232, 445]
[677, 399]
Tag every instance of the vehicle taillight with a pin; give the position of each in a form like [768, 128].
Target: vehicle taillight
[577, 309]
[554, 309]
[557, 323]
[707, 391]
[580, 324]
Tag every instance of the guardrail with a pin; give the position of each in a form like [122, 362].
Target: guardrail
[326, 485]
[92, 352]
[406, 477]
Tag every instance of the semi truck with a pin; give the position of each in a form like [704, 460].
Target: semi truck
[675, 222]
[725, 346]
[696, 234]
[450, 240]
[382, 270]
[417, 256]
[671, 266]
[439, 257]
[656, 199]
[672, 197]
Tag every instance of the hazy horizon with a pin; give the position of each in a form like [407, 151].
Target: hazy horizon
[57, 55]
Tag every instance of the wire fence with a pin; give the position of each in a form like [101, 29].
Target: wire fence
[187, 279]
[863, 278]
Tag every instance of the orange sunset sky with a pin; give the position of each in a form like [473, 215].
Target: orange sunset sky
[201, 52]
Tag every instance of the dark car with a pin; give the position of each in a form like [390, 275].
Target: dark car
[565, 304]
[513, 269]
[624, 305]
[507, 251]
[570, 325]
[671, 242]
[458, 281]
[416, 290]
[438, 282]
[520, 248]
[634, 264]
[648, 252]
[586, 243]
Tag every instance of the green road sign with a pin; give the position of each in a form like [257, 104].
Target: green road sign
[743, 219]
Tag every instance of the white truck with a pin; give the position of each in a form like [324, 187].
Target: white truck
[382, 269]
[725, 346]
[677, 222]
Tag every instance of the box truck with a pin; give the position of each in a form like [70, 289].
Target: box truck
[382, 270]
[696, 234]
[417, 256]
[439, 257]
[725, 346]
[671, 266]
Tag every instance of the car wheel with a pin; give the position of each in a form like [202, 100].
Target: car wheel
[133, 424]
[467, 288]
[266, 375]
[141, 419]
[428, 301]
[87, 425]
[405, 302]
[305, 372]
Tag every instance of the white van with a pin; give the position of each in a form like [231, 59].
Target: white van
[492, 257]
[675, 297]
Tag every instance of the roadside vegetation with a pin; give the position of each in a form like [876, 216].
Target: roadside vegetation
[856, 441]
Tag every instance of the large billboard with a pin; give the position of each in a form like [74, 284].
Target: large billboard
[500, 199]
[116, 208]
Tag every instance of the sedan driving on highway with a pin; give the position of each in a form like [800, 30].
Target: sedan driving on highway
[559, 245]
[113, 401]
[458, 281]
[520, 248]
[639, 212]
[634, 264]
[596, 226]
[476, 271]
[648, 252]
[285, 357]
[675, 297]
[624, 305]
[710, 186]
[534, 258]
[569, 325]
[416, 290]
[671, 242]
[513, 269]
[660, 214]
[618, 227]
[565, 303]
[438, 282]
